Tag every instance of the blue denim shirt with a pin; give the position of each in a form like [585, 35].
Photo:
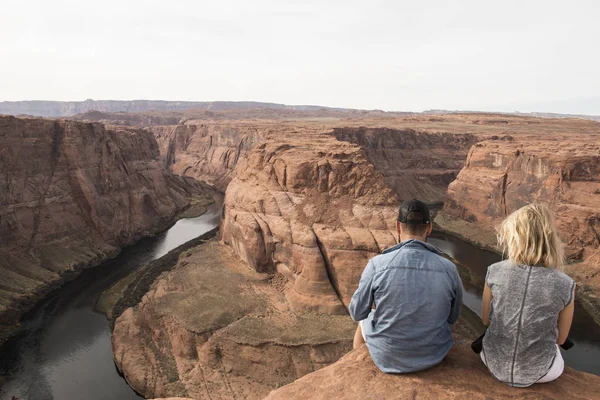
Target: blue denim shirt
[408, 295]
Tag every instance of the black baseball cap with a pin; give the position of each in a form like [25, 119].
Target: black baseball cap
[414, 212]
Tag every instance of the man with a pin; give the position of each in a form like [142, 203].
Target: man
[407, 298]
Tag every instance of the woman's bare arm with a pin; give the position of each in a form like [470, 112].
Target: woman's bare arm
[565, 318]
[485, 305]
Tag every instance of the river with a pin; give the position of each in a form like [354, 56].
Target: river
[62, 350]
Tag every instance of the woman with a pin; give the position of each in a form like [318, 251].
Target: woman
[527, 303]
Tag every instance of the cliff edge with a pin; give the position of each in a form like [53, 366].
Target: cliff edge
[72, 195]
[461, 375]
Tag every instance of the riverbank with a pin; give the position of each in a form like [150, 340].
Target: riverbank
[147, 273]
[129, 291]
[9, 320]
[485, 238]
[63, 347]
[211, 326]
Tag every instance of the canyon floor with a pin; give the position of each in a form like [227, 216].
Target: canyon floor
[214, 328]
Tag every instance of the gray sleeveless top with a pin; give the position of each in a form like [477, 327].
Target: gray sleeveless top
[520, 343]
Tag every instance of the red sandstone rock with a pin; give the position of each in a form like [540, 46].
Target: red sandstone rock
[415, 164]
[174, 398]
[304, 182]
[207, 152]
[71, 195]
[297, 206]
[213, 328]
[461, 375]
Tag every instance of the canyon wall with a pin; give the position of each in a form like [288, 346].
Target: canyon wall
[205, 151]
[501, 176]
[415, 164]
[71, 195]
[312, 202]
[312, 209]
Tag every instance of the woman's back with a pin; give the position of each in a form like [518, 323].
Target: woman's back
[520, 343]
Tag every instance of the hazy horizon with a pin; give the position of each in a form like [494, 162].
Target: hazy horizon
[527, 57]
[307, 105]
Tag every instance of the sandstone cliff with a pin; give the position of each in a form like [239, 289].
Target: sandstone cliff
[461, 375]
[71, 195]
[500, 176]
[312, 209]
[415, 164]
[207, 152]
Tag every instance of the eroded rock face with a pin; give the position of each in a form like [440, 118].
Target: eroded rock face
[205, 151]
[71, 195]
[502, 176]
[461, 375]
[213, 328]
[314, 210]
[416, 165]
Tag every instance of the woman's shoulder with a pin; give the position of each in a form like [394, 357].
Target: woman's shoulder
[560, 276]
[498, 272]
[563, 284]
[500, 266]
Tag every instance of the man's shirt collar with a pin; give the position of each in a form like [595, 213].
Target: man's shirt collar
[413, 243]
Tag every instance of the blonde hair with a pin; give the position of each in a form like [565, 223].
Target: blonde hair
[528, 236]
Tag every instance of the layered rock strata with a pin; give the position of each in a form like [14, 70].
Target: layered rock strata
[312, 209]
[213, 328]
[71, 195]
[461, 375]
[415, 164]
[208, 152]
[502, 176]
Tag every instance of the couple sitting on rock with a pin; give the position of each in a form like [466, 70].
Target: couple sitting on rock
[409, 296]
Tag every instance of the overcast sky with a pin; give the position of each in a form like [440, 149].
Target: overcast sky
[525, 55]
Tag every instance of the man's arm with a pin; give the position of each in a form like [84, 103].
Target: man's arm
[362, 299]
[457, 300]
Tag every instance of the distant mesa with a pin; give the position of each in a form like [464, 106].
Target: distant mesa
[70, 108]
[43, 108]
